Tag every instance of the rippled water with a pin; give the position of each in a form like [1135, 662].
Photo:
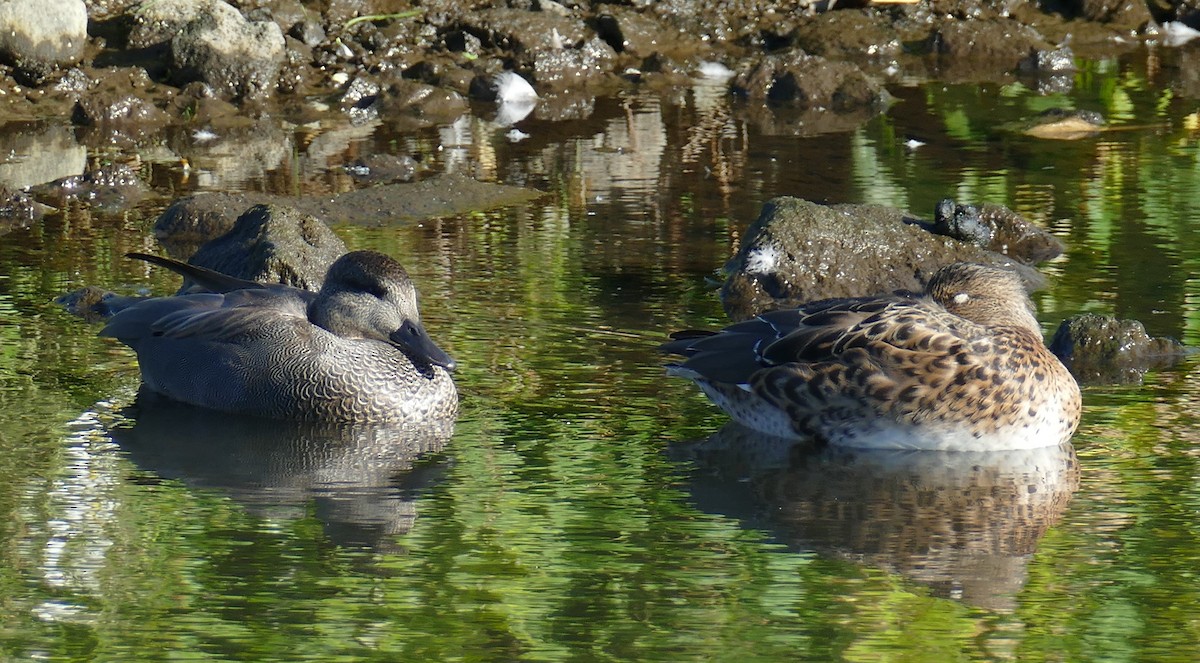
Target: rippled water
[573, 515]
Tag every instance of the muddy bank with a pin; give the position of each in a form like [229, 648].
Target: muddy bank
[122, 67]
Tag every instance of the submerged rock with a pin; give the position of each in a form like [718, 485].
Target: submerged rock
[1065, 124]
[1101, 349]
[93, 303]
[798, 251]
[18, 209]
[103, 186]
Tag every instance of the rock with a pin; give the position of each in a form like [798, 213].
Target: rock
[296, 72]
[193, 220]
[1101, 349]
[103, 186]
[380, 168]
[849, 35]
[798, 251]
[18, 209]
[573, 68]
[1000, 41]
[961, 222]
[308, 31]
[1018, 238]
[273, 244]
[238, 58]
[726, 23]
[112, 108]
[558, 106]
[810, 81]
[628, 31]
[1128, 15]
[996, 228]
[360, 93]
[156, 22]
[93, 303]
[522, 31]
[443, 195]
[419, 103]
[1064, 124]
[1048, 61]
[38, 36]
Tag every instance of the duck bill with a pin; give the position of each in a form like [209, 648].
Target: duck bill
[412, 340]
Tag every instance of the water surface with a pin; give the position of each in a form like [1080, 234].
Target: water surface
[574, 515]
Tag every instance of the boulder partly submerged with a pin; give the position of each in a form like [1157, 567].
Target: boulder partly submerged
[273, 244]
[195, 219]
[800, 251]
[1102, 349]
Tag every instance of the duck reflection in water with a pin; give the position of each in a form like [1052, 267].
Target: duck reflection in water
[362, 480]
[965, 524]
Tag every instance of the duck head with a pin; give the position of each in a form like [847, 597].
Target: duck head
[369, 295]
[985, 295]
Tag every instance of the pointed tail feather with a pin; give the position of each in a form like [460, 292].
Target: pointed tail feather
[208, 279]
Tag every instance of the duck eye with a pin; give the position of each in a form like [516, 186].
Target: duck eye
[373, 288]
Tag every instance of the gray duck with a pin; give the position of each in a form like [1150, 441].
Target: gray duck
[355, 351]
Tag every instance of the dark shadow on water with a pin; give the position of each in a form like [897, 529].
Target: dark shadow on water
[362, 481]
[964, 524]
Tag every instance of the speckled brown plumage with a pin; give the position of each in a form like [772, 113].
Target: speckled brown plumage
[961, 366]
[355, 351]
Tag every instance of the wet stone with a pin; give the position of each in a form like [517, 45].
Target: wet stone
[1045, 61]
[114, 107]
[376, 168]
[1101, 349]
[156, 23]
[1002, 41]
[995, 228]
[193, 220]
[520, 31]
[413, 99]
[848, 35]
[109, 186]
[799, 251]
[1131, 16]
[567, 69]
[273, 244]
[961, 222]
[641, 35]
[1064, 124]
[809, 81]
[39, 36]
[238, 58]
[308, 32]
[18, 209]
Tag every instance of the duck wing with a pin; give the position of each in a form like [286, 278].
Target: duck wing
[903, 326]
[209, 316]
